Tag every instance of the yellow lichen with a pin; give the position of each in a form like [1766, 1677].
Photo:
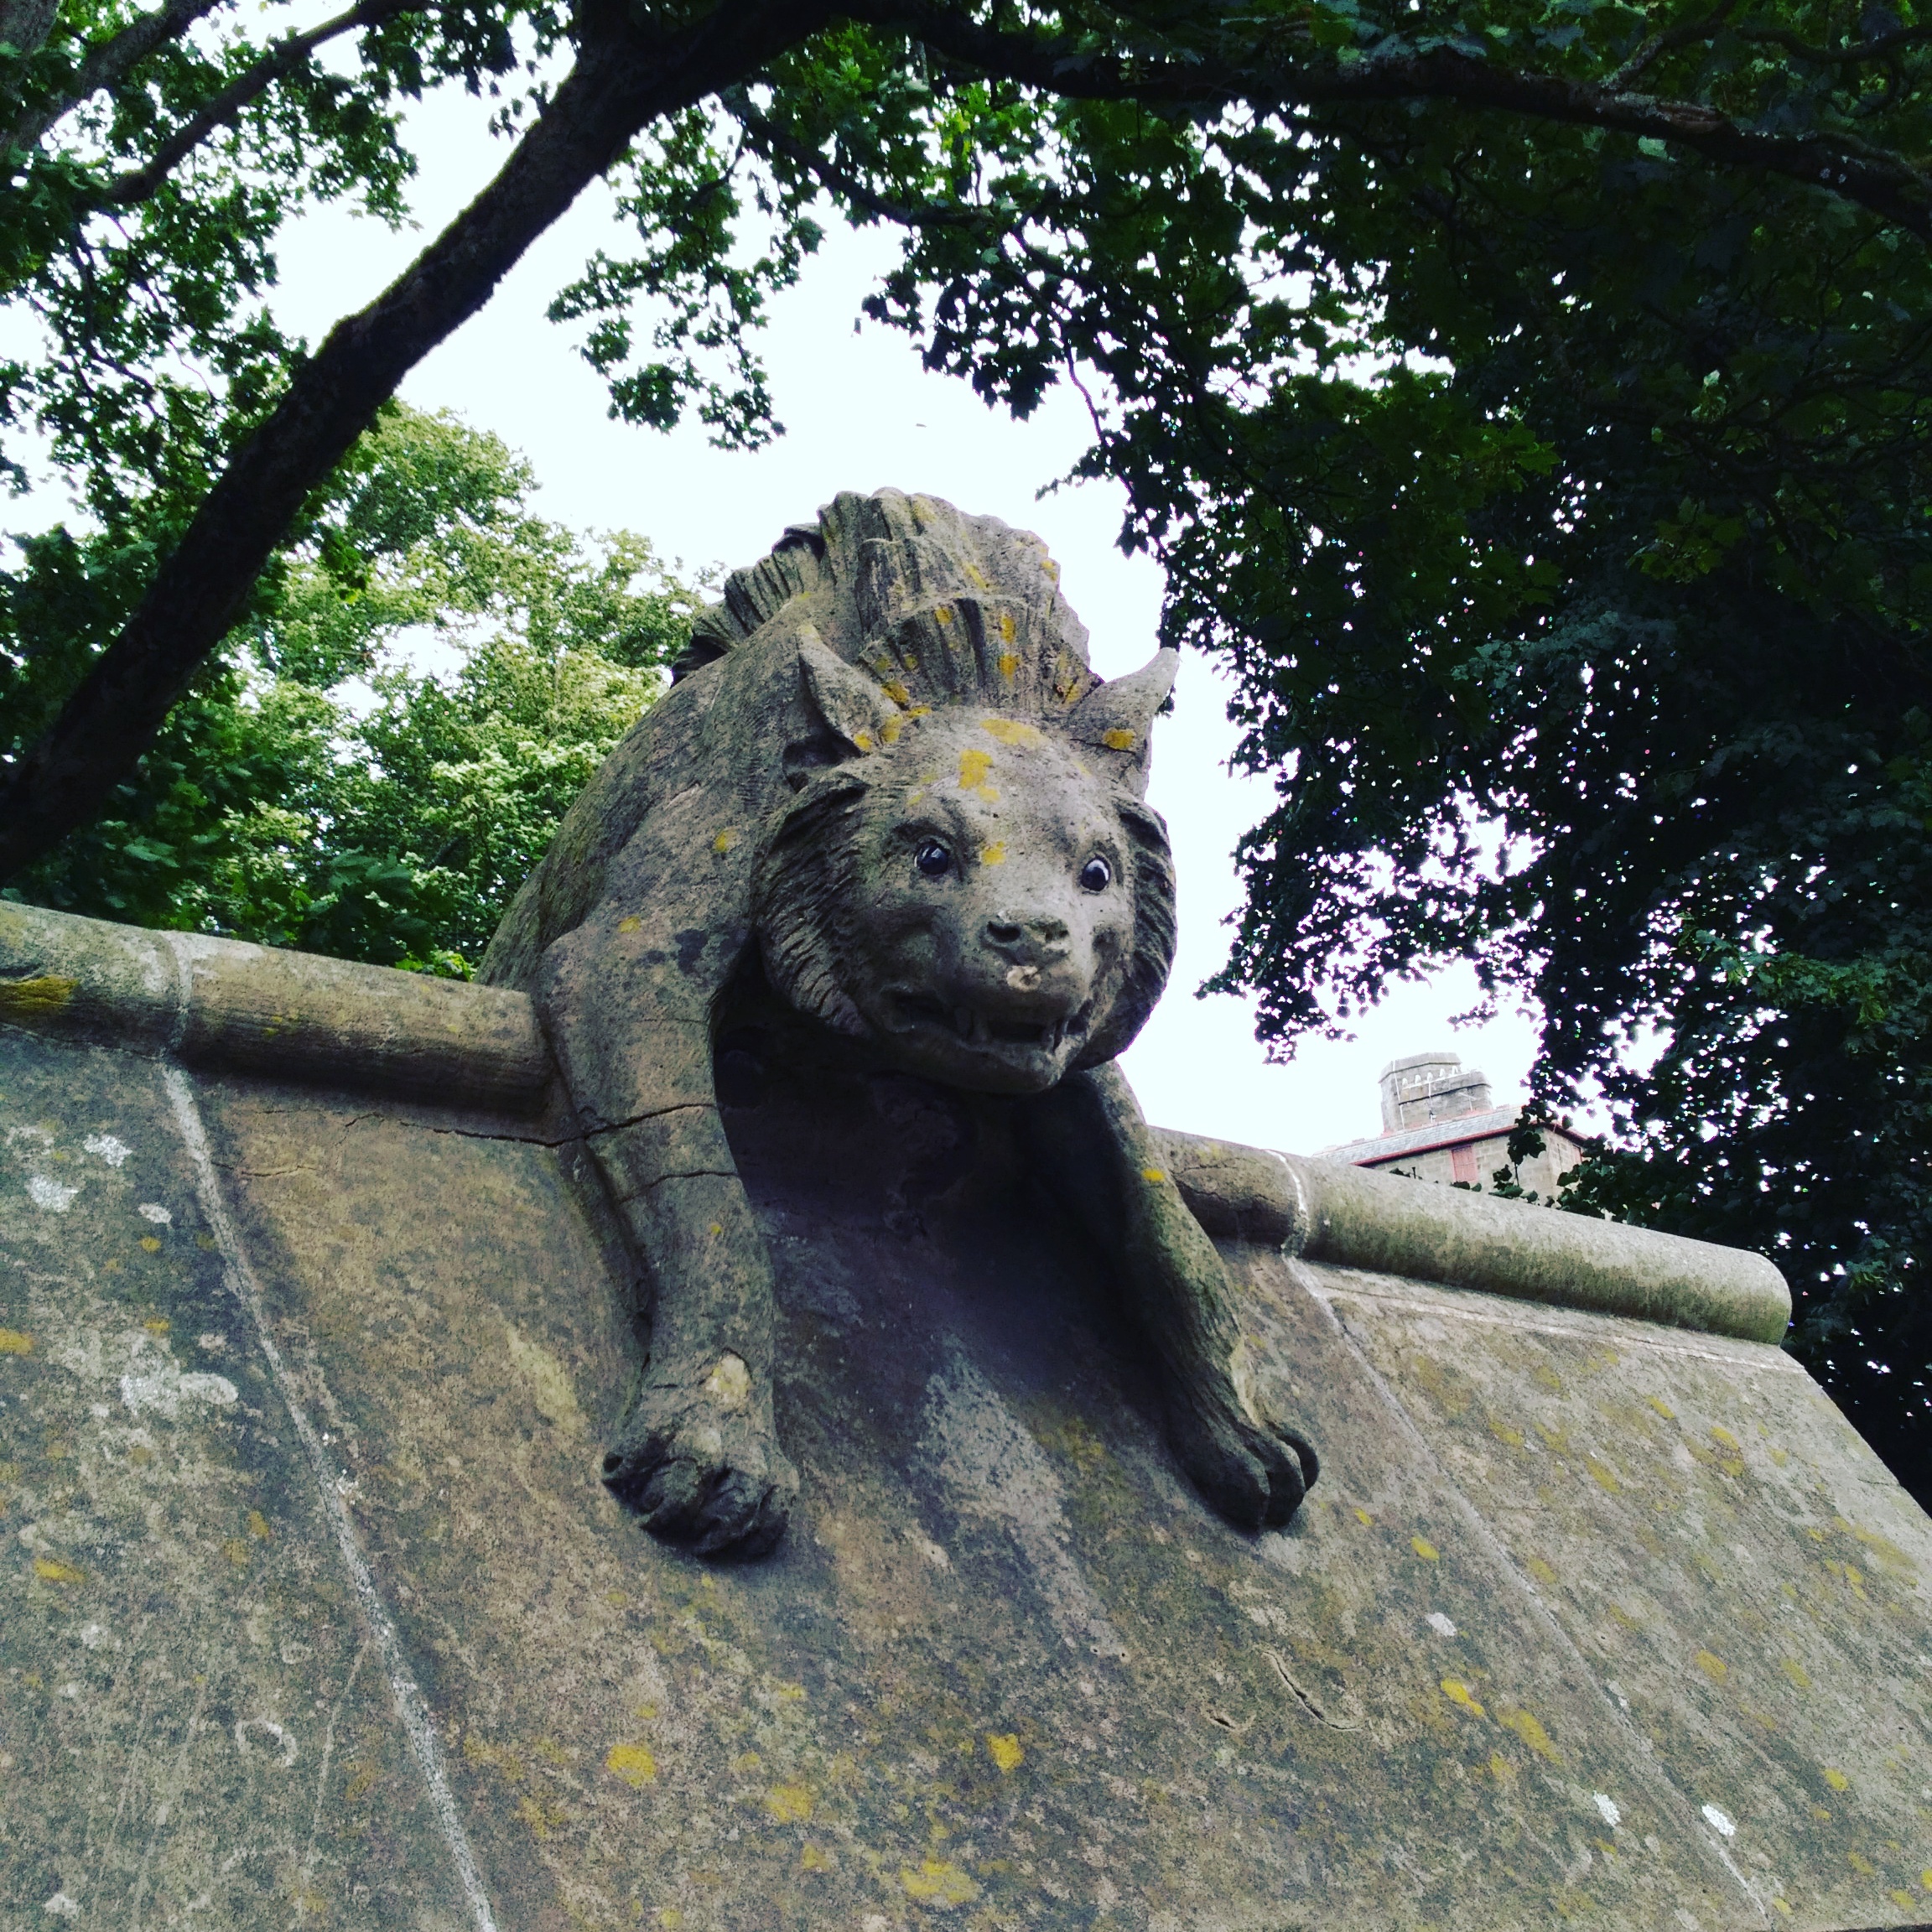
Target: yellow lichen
[14, 1341]
[1713, 1667]
[1526, 1726]
[994, 853]
[52, 1570]
[1458, 1692]
[542, 1819]
[1119, 740]
[1837, 1778]
[1011, 731]
[728, 838]
[938, 1882]
[1540, 1570]
[1662, 1408]
[632, 1763]
[789, 1804]
[1888, 1555]
[37, 998]
[1008, 662]
[1796, 1672]
[630, 923]
[973, 766]
[1424, 1549]
[1153, 1174]
[1005, 1751]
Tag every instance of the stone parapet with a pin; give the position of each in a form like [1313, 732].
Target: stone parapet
[313, 1609]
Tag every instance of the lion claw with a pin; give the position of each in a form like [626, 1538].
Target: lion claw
[1253, 1473]
[716, 1480]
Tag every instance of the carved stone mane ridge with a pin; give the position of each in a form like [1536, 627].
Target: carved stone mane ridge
[939, 607]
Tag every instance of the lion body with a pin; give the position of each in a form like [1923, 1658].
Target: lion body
[888, 782]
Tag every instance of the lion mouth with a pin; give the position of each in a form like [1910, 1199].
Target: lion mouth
[976, 1027]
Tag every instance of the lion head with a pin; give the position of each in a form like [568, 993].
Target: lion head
[966, 875]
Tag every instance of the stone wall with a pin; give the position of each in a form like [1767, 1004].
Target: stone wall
[317, 1614]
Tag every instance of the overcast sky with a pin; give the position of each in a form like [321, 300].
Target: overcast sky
[861, 414]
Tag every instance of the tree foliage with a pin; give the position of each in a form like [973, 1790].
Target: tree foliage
[316, 789]
[1528, 397]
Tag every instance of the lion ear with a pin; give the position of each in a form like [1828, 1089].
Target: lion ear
[851, 703]
[1114, 720]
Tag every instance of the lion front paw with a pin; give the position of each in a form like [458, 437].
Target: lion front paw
[700, 1466]
[1250, 1465]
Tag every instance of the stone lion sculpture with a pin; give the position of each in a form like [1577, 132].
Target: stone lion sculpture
[886, 779]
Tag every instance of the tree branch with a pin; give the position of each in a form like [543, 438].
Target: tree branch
[1274, 76]
[281, 59]
[842, 181]
[107, 64]
[201, 589]
[1661, 44]
[1880, 48]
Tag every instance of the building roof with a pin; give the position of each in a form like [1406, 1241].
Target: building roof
[1425, 1139]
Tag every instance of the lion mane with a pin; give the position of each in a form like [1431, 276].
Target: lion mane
[940, 608]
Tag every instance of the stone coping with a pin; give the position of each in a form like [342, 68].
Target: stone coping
[1387, 1223]
[280, 1014]
[224, 1004]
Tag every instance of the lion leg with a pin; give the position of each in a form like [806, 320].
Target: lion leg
[1094, 1147]
[629, 1008]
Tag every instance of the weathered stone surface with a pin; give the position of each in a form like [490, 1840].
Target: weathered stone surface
[1592, 1620]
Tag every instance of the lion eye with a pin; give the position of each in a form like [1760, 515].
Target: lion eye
[1096, 875]
[934, 860]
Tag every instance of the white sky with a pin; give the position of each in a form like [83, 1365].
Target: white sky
[862, 414]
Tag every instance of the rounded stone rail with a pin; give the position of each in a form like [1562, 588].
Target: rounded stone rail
[222, 1003]
[1389, 1224]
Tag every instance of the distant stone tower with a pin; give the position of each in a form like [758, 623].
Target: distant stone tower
[1440, 1122]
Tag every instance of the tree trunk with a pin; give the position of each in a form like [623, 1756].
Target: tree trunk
[201, 589]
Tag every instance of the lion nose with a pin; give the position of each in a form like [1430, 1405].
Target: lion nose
[1041, 938]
